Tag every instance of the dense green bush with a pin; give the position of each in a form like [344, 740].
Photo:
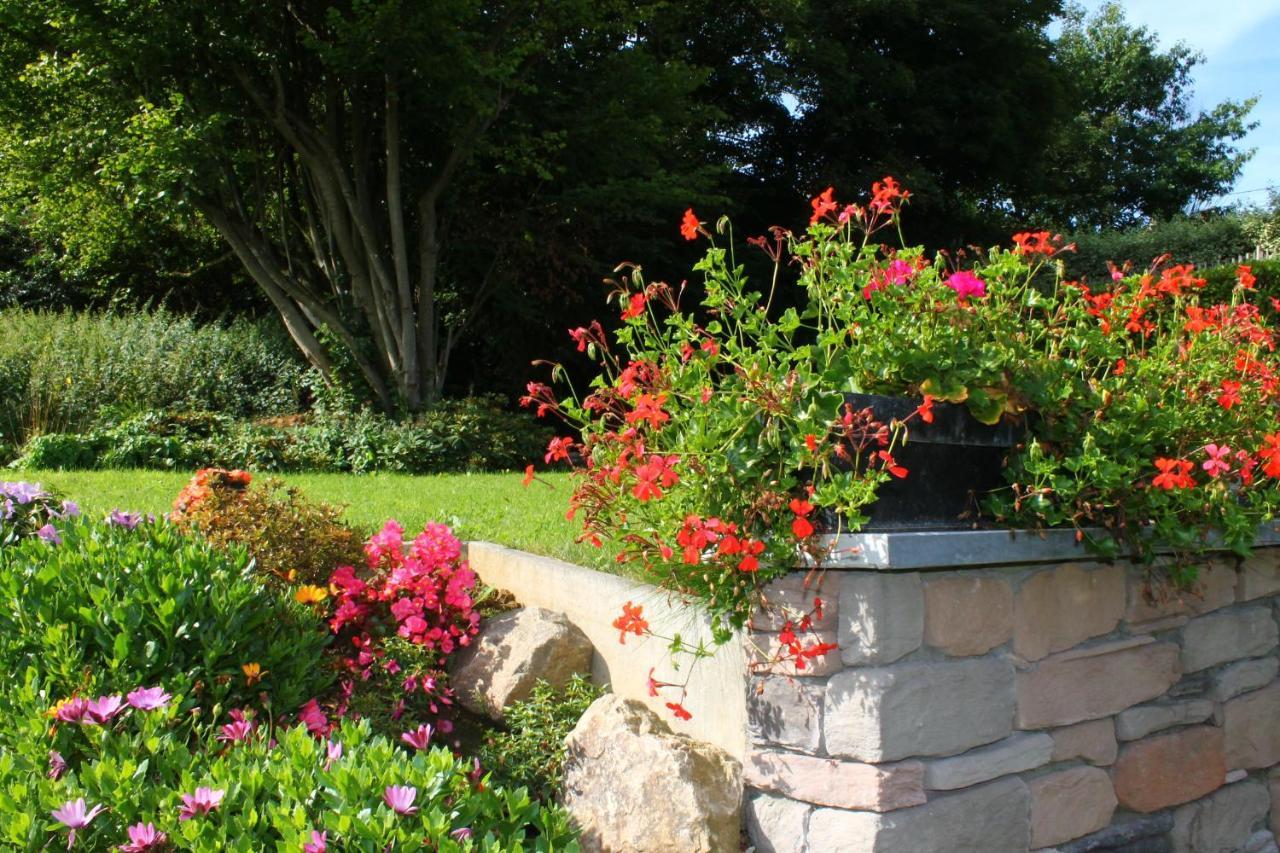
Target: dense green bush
[112, 608]
[530, 750]
[274, 788]
[474, 433]
[1203, 242]
[1220, 281]
[68, 372]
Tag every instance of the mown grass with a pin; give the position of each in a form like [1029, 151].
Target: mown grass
[492, 507]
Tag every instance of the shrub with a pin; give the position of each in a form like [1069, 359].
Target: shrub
[116, 605]
[529, 752]
[1203, 242]
[265, 788]
[67, 372]
[1220, 282]
[292, 539]
[28, 511]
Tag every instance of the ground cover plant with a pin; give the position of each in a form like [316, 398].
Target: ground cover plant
[175, 692]
[717, 426]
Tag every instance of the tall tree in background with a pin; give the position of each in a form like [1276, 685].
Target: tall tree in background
[1133, 148]
[375, 165]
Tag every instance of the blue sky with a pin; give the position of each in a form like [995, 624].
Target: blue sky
[1240, 40]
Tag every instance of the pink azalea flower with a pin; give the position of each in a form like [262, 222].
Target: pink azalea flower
[103, 710]
[127, 520]
[966, 284]
[314, 718]
[49, 533]
[400, 798]
[74, 815]
[1216, 463]
[203, 801]
[143, 838]
[333, 753]
[148, 698]
[462, 833]
[419, 738]
[319, 842]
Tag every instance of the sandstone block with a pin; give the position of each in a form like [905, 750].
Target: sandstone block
[1143, 720]
[1170, 769]
[776, 824]
[786, 712]
[992, 818]
[1094, 741]
[1242, 677]
[1011, 755]
[1220, 822]
[881, 617]
[1262, 841]
[1153, 599]
[842, 784]
[918, 709]
[967, 614]
[1061, 607]
[1259, 576]
[632, 786]
[790, 598]
[1227, 636]
[1251, 725]
[1070, 804]
[764, 654]
[512, 653]
[1062, 691]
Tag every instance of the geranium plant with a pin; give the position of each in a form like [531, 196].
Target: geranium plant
[717, 423]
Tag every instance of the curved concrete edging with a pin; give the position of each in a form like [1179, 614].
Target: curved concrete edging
[592, 600]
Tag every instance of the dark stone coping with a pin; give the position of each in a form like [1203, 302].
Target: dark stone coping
[909, 550]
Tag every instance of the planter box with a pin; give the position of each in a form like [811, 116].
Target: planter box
[952, 463]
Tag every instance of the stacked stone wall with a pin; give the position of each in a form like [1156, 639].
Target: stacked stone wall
[1069, 707]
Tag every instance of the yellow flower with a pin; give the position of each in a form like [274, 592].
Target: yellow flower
[53, 712]
[253, 673]
[308, 594]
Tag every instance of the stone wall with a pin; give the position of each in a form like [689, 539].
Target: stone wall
[1027, 707]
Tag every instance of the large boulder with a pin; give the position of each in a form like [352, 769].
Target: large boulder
[631, 786]
[512, 653]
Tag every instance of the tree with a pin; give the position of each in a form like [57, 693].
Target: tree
[1134, 149]
[378, 167]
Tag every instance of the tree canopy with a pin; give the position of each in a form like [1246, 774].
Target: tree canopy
[413, 182]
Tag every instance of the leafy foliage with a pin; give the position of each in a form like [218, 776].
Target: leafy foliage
[1205, 242]
[530, 751]
[277, 787]
[112, 608]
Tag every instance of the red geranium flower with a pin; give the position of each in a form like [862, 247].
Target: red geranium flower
[822, 204]
[689, 225]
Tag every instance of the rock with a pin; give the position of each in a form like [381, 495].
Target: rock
[1259, 576]
[1011, 755]
[918, 709]
[1094, 741]
[790, 598]
[992, 818]
[1273, 780]
[1070, 804]
[1169, 769]
[967, 614]
[632, 786]
[763, 656]
[1235, 776]
[1133, 835]
[842, 784]
[1063, 690]
[1227, 636]
[512, 652]
[1251, 724]
[1242, 677]
[1135, 723]
[1191, 686]
[776, 824]
[1220, 823]
[786, 712]
[1064, 606]
[881, 617]
[1262, 841]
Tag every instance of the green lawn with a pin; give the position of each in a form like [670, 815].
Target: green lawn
[494, 507]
